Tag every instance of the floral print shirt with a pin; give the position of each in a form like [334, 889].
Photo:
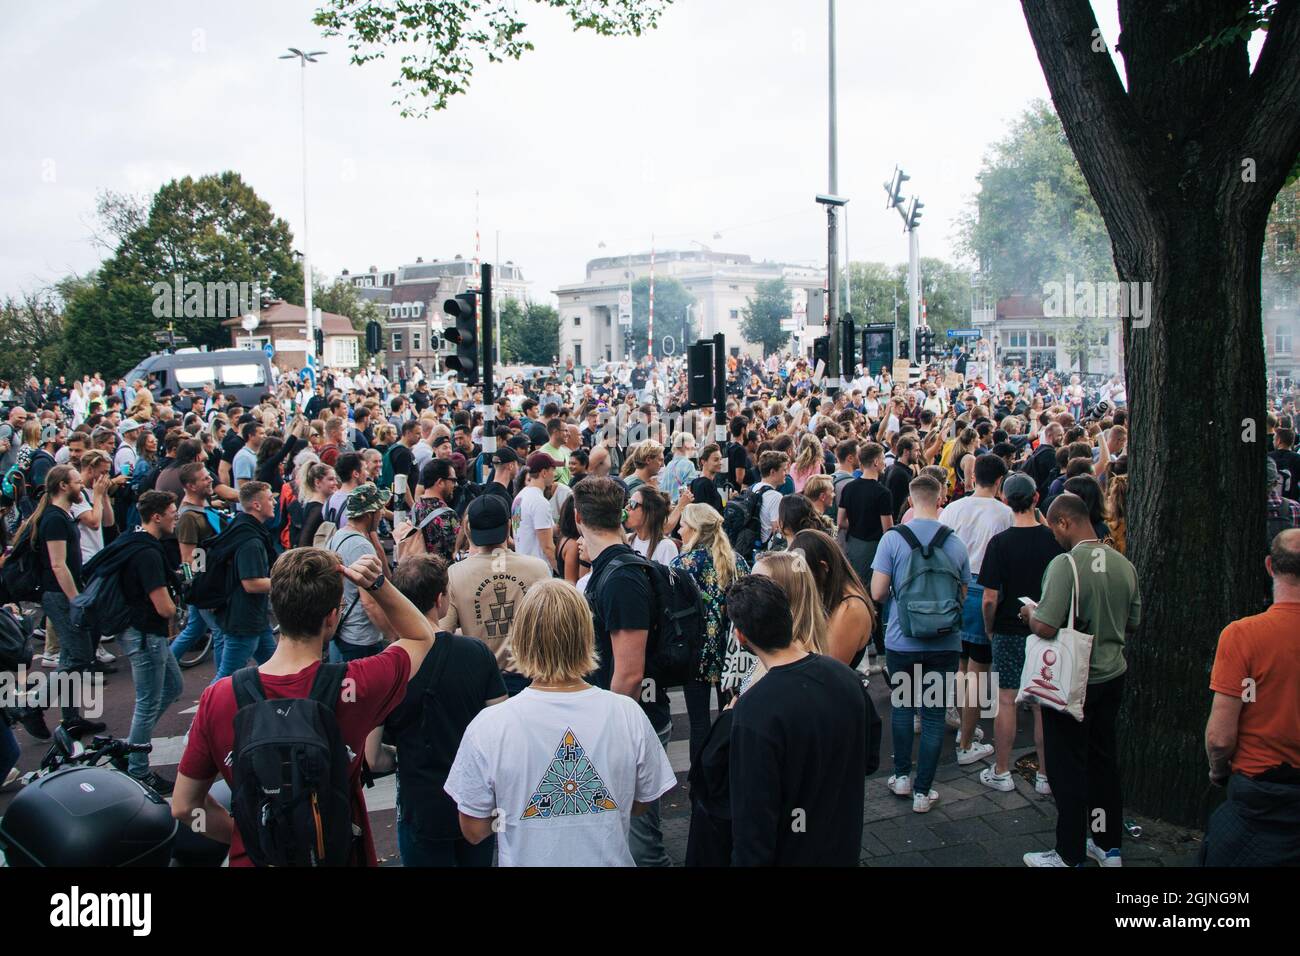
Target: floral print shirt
[699, 565]
[440, 533]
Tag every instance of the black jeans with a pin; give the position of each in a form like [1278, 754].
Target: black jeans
[697, 711]
[1085, 772]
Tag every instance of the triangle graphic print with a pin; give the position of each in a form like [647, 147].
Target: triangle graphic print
[570, 786]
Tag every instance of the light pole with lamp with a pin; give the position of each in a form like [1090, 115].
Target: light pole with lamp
[304, 59]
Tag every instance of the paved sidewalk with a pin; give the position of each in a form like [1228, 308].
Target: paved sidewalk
[971, 825]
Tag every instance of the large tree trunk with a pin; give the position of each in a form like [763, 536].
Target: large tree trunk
[1164, 161]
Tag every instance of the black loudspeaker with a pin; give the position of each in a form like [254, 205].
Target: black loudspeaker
[699, 374]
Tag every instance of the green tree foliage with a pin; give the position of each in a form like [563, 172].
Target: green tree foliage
[31, 326]
[530, 333]
[880, 294]
[343, 298]
[209, 230]
[1034, 220]
[671, 315]
[441, 40]
[761, 318]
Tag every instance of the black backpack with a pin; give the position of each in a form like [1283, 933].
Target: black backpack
[216, 581]
[20, 575]
[291, 795]
[15, 651]
[102, 608]
[742, 520]
[676, 638]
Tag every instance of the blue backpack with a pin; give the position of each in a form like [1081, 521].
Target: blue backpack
[928, 588]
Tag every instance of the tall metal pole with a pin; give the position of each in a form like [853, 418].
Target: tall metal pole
[496, 324]
[306, 240]
[489, 362]
[913, 289]
[848, 267]
[832, 238]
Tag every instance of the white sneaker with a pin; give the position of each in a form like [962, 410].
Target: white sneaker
[1044, 858]
[975, 737]
[104, 657]
[900, 786]
[51, 660]
[107, 637]
[997, 781]
[976, 752]
[11, 779]
[1104, 857]
[1041, 785]
[922, 802]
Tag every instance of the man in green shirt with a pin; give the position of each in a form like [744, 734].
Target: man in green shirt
[1082, 754]
[556, 448]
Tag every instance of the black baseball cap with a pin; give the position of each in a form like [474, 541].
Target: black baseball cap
[504, 456]
[489, 520]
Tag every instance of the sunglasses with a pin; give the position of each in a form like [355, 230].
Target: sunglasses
[633, 505]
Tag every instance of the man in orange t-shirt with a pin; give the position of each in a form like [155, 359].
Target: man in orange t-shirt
[1252, 738]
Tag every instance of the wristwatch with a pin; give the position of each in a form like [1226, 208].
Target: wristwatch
[379, 583]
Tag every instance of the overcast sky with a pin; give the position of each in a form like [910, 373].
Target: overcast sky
[714, 123]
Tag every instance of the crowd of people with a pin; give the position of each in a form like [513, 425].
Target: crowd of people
[501, 628]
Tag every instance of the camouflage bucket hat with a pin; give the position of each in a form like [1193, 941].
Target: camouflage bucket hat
[365, 499]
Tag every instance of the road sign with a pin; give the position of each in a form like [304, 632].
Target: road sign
[269, 349]
[964, 333]
[789, 325]
[625, 308]
[668, 345]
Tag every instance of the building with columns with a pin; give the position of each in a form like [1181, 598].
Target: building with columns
[720, 282]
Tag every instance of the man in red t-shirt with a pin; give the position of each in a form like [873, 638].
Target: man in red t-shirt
[306, 591]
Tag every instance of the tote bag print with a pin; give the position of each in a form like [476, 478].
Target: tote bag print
[1056, 670]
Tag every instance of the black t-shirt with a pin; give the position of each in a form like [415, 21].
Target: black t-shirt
[897, 479]
[500, 490]
[621, 600]
[705, 491]
[737, 457]
[1013, 565]
[230, 446]
[1288, 465]
[866, 501]
[1042, 467]
[403, 462]
[144, 574]
[57, 525]
[798, 743]
[429, 723]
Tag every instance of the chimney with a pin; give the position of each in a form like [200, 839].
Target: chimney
[345, 271]
[419, 259]
[374, 268]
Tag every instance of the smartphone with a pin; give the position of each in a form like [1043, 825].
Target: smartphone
[1028, 602]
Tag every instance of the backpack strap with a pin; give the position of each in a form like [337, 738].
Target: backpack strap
[937, 541]
[247, 684]
[908, 535]
[327, 684]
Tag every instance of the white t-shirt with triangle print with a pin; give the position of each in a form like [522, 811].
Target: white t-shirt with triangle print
[560, 772]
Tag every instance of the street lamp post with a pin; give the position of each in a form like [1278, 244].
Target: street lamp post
[304, 59]
[832, 211]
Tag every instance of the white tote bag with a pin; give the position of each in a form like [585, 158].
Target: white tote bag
[1056, 671]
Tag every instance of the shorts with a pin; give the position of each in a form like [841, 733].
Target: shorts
[1009, 659]
[972, 617]
[979, 653]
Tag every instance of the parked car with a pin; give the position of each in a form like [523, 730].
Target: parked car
[244, 374]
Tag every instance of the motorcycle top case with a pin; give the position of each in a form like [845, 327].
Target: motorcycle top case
[87, 816]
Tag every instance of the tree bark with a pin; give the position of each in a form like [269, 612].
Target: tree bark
[1164, 161]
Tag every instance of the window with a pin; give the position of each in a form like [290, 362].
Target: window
[1017, 340]
[1281, 340]
[397, 341]
[392, 311]
[577, 353]
[346, 351]
[577, 320]
[417, 341]
[735, 313]
[608, 319]
[195, 377]
[240, 375]
[417, 309]
[1285, 246]
[1281, 299]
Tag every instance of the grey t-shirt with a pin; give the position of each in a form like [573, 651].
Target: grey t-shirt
[355, 627]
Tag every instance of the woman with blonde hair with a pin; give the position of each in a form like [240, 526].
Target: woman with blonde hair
[558, 770]
[711, 563]
[790, 570]
[811, 460]
[1117, 512]
[643, 465]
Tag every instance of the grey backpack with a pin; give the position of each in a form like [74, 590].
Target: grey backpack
[928, 588]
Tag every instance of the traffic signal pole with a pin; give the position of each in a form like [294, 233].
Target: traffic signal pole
[489, 363]
[832, 230]
[720, 390]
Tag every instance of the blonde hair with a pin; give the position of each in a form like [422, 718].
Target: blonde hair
[641, 454]
[790, 570]
[810, 454]
[816, 486]
[705, 521]
[552, 637]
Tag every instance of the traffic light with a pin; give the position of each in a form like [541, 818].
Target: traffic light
[464, 335]
[374, 337]
[848, 348]
[822, 352]
[904, 348]
[319, 335]
[699, 374]
[925, 343]
[914, 213]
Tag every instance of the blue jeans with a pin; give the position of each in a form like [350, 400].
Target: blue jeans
[218, 635]
[645, 838]
[157, 679]
[9, 749]
[236, 649]
[76, 651]
[195, 627]
[418, 851]
[902, 674]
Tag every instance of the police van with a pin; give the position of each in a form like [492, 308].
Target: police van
[243, 374]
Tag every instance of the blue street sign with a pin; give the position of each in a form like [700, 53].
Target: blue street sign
[269, 349]
[309, 374]
[964, 333]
